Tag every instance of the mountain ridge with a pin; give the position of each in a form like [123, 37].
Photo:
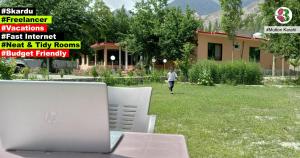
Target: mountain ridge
[205, 7]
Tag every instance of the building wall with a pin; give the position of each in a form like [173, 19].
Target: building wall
[245, 44]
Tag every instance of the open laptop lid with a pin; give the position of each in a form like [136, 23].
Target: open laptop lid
[54, 116]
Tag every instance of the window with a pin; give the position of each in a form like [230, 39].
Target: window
[254, 54]
[214, 51]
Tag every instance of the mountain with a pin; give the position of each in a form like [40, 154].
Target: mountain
[249, 7]
[206, 7]
[202, 7]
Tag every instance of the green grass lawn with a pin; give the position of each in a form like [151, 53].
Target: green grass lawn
[231, 121]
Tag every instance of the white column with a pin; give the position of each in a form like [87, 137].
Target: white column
[77, 63]
[126, 59]
[282, 67]
[95, 58]
[273, 66]
[87, 60]
[141, 60]
[82, 59]
[120, 56]
[105, 57]
[48, 68]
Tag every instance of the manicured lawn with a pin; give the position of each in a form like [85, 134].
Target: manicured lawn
[231, 121]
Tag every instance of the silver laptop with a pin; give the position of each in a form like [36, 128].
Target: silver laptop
[55, 116]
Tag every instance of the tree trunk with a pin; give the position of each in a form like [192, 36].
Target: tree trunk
[232, 51]
[48, 67]
[273, 66]
[282, 67]
[242, 54]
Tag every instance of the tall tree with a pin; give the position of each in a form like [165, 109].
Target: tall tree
[185, 63]
[287, 45]
[121, 24]
[103, 19]
[178, 29]
[209, 27]
[281, 45]
[72, 20]
[216, 27]
[68, 19]
[145, 28]
[231, 19]
[252, 24]
[160, 31]
[295, 63]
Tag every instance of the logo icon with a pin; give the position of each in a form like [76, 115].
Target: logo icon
[51, 117]
[283, 15]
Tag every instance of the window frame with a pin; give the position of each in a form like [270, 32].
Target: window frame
[212, 55]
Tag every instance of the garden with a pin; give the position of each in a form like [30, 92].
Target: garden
[224, 109]
[231, 121]
[203, 72]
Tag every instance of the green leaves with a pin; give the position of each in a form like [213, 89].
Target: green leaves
[7, 69]
[231, 16]
[185, 63]
[287, 45]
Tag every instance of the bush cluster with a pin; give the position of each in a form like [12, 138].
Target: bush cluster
[297, 81]
[7, 70]
[237, 72]
[111, 81]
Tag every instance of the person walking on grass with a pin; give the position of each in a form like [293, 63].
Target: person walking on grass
[171, 79]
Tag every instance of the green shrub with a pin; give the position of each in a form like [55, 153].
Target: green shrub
[297, 81]
[140, 72]
[94, 72]
[66, 71]
[233, 73]
[205, 78]
[129, 81]
[25, 72]
[105, 73]
[44, 72]
[7, 69]
[119, 72]
[203, 69]
[156, 76]
[237, 72]
[130, 73]
[110, 80]
[107, 77]
[33, 77]
[61, 73]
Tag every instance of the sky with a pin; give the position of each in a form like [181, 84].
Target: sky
[115, 4]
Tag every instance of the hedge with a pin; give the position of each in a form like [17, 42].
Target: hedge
[237, 72]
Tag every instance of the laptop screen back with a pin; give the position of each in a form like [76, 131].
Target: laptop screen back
[54, 116]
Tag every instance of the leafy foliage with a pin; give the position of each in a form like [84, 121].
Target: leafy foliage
[287, 45]
[231, 16]
[185, 63]
[160, 31]
[7, 69]
[177, 30]
[151, 29]
[25, 72]
[295, 63]
[238, 72]
[251, 24]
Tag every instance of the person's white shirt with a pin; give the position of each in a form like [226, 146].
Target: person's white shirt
[172, 76]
